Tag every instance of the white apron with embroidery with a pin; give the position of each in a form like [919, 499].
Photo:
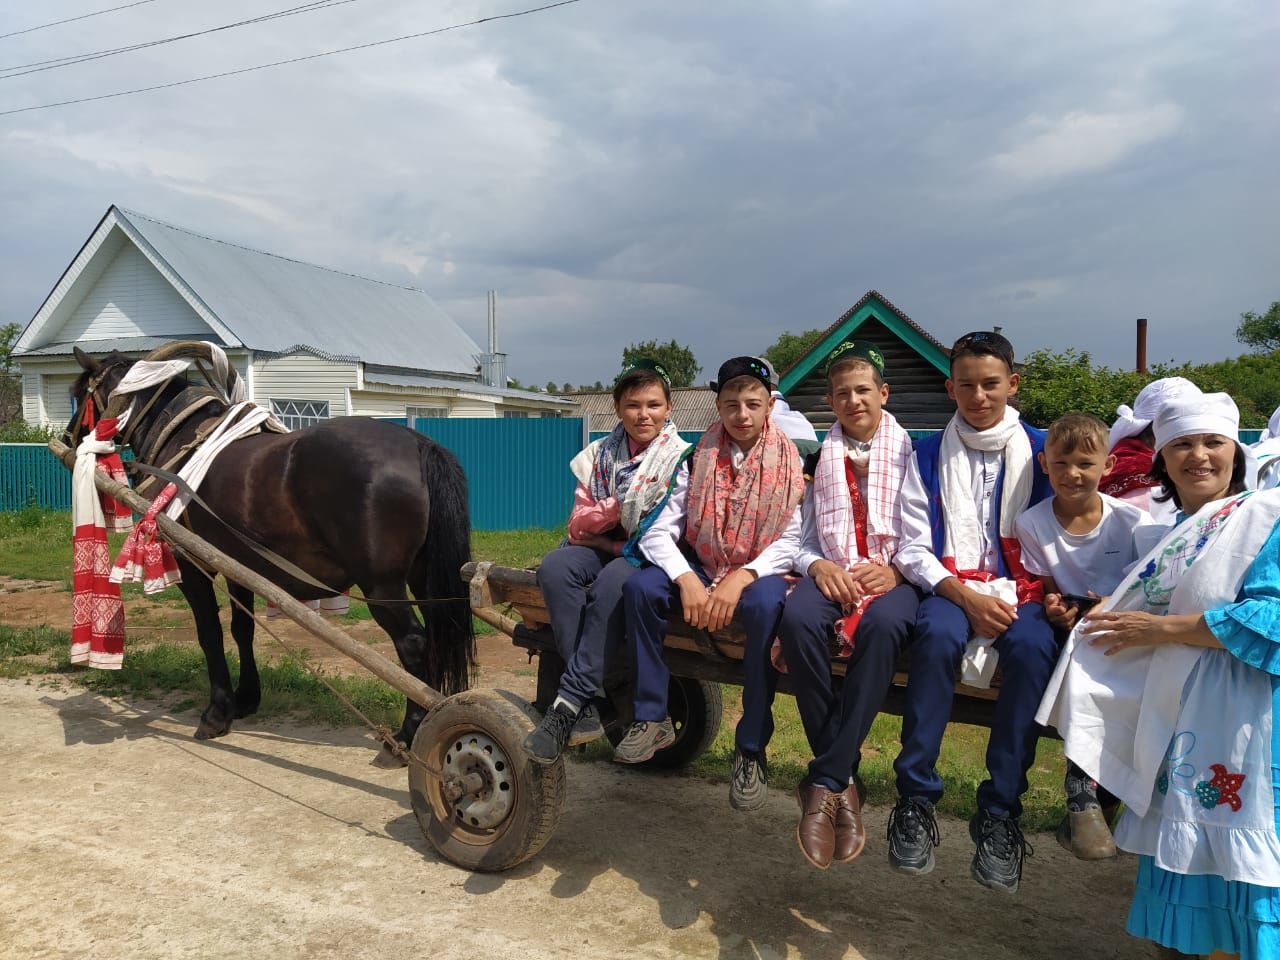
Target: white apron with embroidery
[1171, 729]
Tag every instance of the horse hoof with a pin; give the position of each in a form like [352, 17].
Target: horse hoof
[210, 732]
[386, 760]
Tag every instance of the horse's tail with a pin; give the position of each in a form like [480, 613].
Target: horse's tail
[437, 572]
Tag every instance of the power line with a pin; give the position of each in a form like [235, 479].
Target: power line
[83, 16]
[22, 69]
[280, 63]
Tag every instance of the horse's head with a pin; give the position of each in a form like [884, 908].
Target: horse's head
[92, 389]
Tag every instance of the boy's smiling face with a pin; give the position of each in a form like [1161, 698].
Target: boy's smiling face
[981, 386]
[856, 399]
[1075, 474]
[744, 405]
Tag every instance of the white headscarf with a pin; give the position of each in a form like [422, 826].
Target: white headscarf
[1131, 421]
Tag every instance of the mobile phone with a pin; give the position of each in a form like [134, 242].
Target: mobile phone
[1083, 604]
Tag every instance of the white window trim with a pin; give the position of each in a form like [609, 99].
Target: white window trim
[297, 414]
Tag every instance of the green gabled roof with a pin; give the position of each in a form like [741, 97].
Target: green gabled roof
[872, 306]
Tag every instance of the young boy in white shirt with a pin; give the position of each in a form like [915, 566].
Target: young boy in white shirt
[717, 553]
[1080, 543]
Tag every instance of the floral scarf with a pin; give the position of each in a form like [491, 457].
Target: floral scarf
[734, 515]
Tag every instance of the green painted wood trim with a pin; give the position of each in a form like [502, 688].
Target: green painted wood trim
[872, 308]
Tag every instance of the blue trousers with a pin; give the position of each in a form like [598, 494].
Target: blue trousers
[650, 597]
[837, 726]
[1028, 652]
[582, 588]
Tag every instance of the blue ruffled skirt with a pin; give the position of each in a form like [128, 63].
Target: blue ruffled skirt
[1200, 914]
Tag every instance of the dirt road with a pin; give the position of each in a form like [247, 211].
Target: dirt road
[122, 837]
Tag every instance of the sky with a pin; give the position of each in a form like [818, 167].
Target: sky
[715, 172]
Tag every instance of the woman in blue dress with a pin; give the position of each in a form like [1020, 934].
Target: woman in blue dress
[1194, 637]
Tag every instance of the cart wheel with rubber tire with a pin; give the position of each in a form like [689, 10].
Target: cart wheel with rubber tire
[491, 807]
[696, 707]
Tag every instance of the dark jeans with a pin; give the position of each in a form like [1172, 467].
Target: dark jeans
[836, 727]
[1028, 652]
[582, 588]
[650, 597]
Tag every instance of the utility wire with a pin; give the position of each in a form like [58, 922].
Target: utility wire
[280, 63]
[22, 69]
[83, 16]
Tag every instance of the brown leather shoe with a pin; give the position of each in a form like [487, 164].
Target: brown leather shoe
[816, 832]
[850, 835]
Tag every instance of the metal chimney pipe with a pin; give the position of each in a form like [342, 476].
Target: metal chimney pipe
[493, 338]
[1142, 345]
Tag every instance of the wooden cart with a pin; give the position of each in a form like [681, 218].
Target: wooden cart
[699, 662]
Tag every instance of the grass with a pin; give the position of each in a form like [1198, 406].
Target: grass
[35, 544]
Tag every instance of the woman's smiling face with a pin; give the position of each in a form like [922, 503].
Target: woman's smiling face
[1200, 466]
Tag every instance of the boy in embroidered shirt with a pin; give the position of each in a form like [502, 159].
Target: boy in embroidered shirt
[963, 491]
[1080, 543]
[735, 510]
[852, 526]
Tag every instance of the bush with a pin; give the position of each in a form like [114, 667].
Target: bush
[19, 431]
[1058, 383]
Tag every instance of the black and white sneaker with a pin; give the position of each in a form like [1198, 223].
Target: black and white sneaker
[1001, 848]
[913, 833]
[551, 736]
[644, 738]
[587, 728]
[749, 781]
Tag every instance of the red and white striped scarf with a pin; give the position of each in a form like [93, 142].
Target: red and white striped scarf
[842, 513]
[145, 558]
[97, 615]
[890, 451]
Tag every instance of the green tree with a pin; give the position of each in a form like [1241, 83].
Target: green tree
[1058, 383]
[790, 347]
[1261, 331]
[10, 383]
[680, 362]
[1066, 382]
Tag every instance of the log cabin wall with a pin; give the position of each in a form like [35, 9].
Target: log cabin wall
[917, 389]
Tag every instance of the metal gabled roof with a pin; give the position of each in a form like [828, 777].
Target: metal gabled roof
[277, 305]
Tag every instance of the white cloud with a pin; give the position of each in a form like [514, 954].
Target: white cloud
[1081, 141]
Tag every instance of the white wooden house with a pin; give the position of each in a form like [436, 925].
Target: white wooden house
[310, 342]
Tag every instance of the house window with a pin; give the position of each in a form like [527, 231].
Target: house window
[416, 413]
[297, 414]
[553, 414]
[515, 414]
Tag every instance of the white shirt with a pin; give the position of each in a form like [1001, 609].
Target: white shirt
[660, 544]
[915, 558]
[1081, 562]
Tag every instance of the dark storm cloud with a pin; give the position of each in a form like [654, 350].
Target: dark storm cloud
[710, 172]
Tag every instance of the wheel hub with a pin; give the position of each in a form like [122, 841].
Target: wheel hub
[488, 806]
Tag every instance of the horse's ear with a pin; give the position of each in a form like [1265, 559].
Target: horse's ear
[86, 361]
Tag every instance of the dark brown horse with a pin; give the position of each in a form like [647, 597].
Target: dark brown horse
[350, 501]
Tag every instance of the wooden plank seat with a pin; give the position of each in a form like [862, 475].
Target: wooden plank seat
[696, 654]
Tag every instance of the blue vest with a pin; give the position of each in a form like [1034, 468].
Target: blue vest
[927, 451]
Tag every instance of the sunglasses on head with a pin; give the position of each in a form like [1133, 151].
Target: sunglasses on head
[988, 339]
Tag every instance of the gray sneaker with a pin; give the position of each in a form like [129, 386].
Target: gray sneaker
[644, 738]
[749, 780]
[587, 727]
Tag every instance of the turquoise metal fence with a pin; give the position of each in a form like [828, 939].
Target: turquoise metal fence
[517, 470]
[31, 476]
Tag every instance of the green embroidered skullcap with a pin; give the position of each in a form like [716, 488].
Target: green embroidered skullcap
[857, 350]
[645, 363]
